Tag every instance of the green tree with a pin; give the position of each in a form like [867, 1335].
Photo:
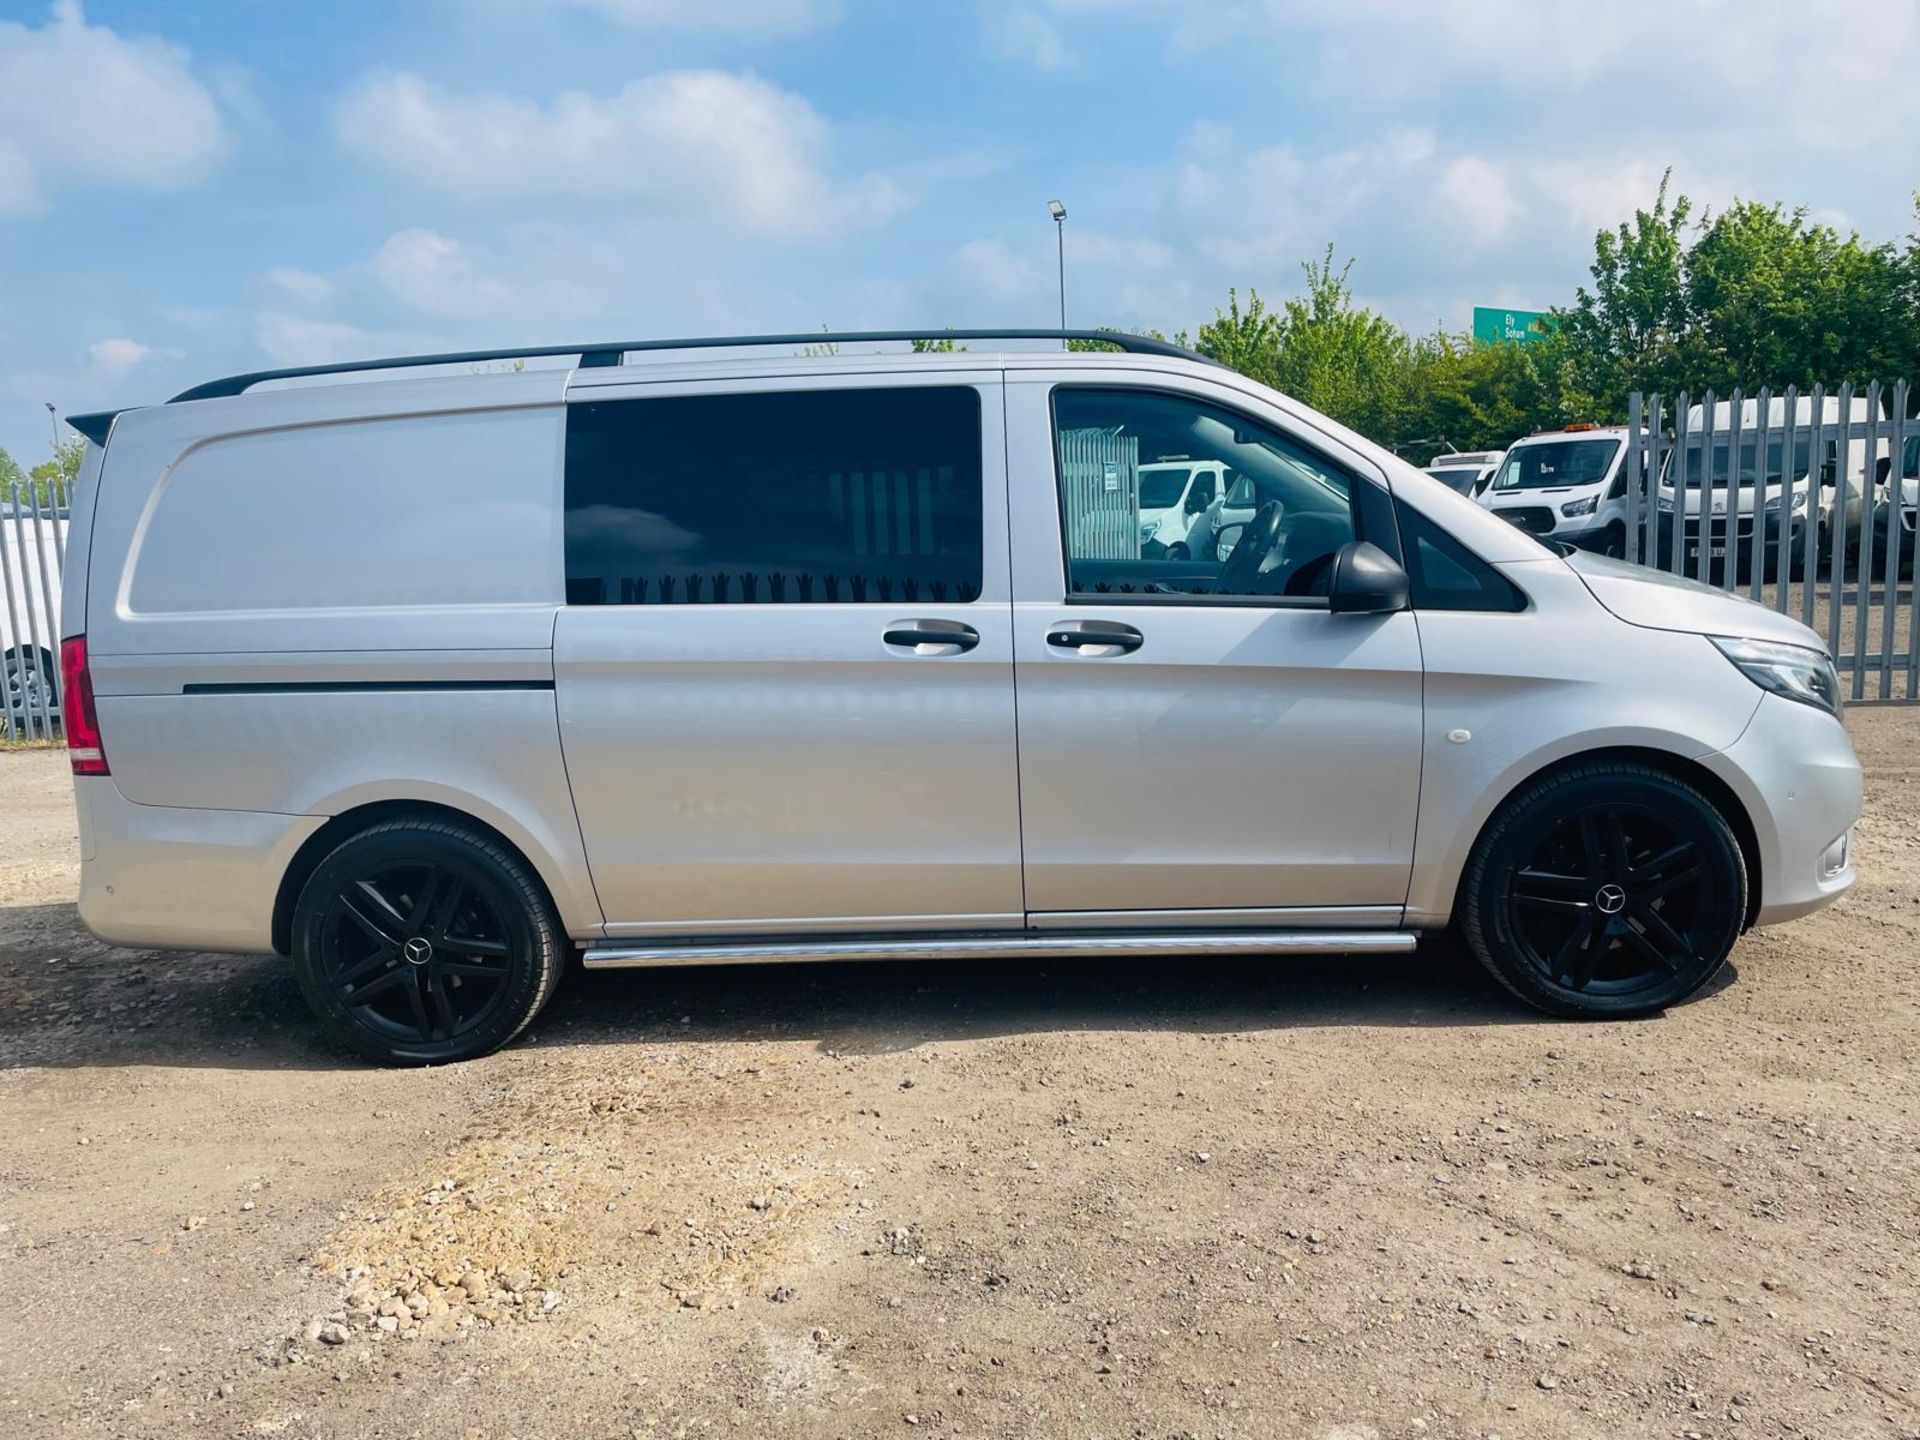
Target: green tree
[1776, 300]
[10, 472]
[55, 478]
[1480, 397]
[1628, 331]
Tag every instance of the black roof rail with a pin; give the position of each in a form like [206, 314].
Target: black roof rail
[610, 353]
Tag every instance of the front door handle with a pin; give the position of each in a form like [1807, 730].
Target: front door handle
[1095, 639]
[931, 637]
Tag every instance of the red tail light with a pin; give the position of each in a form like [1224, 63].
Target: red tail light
[77, 715]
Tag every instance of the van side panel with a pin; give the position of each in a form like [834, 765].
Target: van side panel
[306, 601]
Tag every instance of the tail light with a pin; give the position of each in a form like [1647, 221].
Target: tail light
[77, 715]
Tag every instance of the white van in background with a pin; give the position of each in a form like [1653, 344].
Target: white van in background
[1172, 493]
[1789, 494]
[1466, 472]
[1568, 485]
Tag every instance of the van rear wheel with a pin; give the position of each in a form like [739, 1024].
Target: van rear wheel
[1605, 892]
[420, 941]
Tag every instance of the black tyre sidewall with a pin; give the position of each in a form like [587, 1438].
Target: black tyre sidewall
[1504, 848]
[536, 944]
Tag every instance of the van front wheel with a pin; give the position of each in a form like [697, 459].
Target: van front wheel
[419, 941]
[1605, 892]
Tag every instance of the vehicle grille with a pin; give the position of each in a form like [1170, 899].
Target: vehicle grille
[1534, 519]
[1717, 527]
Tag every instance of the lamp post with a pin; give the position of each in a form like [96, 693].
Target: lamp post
[53, 424]
[1059, 213]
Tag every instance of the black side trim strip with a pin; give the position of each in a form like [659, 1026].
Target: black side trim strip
[356, 687]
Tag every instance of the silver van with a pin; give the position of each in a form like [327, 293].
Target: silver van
[692, 652]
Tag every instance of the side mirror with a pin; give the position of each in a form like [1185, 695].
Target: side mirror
[1241, 494]
[1196, 502]
[1366, 581]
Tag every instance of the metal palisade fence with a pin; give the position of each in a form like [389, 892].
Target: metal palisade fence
[33, 547]
[1800, 500]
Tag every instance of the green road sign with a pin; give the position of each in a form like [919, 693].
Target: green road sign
[1521, 327]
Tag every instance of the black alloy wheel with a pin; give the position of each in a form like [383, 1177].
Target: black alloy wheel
[1612, 890]
[421, 940]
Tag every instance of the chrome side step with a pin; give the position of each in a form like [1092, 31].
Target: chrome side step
[1014, 945]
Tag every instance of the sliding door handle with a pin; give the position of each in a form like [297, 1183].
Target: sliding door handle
[1095, 639]
[931, 637]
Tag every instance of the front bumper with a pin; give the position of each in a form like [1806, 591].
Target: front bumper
[1796, 775]
[155, 877]
[1723, 537]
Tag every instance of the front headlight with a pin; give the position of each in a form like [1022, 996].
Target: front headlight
[1573, 509]
[1799, 500]
[1666, 504]
[1790, 670]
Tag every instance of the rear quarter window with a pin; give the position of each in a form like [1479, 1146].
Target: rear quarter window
[455, 509]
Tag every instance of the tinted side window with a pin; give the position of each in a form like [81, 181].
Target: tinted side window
[791, 497]
[1448, 576]
[1272, 534]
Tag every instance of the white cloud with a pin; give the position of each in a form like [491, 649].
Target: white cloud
[1024, 32]
[78, 101]
[689, 144]
[1473, 200]
[301, 286]
[442, 277]
[749, 17]
[117, 354]
[301, 340]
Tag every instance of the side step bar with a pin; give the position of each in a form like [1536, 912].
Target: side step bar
[1015, 945]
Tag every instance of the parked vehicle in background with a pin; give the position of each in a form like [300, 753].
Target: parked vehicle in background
[720, 661]
[1782, 488]
[1567, 485]
[30, 573]
[1466, 472]
[1899, 504]
[1172, 493]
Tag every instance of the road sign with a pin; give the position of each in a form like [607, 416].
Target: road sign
[1520, 327]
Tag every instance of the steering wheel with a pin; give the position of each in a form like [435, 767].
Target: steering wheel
[1256, 542]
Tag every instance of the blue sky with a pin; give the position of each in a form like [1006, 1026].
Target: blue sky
[189, 187]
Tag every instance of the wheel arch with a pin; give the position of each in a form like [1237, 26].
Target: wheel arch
[1691, 772]
[348, 823]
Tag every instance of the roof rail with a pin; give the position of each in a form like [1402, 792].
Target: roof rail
[610, 353]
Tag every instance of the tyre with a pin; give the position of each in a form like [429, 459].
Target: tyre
[419, 941]
[30, 683]
[1605, 892]
[1614, 546]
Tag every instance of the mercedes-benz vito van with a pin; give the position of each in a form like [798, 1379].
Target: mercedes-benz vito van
[432, 681]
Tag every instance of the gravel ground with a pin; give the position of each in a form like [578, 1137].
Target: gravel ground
[1318, 1198]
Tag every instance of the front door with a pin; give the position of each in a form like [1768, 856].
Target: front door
[785, 666]
[1201, 739]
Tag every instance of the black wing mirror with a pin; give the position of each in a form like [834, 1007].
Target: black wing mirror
[1366, 581]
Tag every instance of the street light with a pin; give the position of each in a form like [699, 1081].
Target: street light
[53, 424]
[1059, 213]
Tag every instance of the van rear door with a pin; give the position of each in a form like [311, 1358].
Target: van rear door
[785, 666]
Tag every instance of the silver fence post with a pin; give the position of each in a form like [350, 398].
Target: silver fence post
[1863, 586]
[1837, 523]
[1816, 483]
[1730, 512]
[1783, 541]
[19, 715]
[47, 636]
[1757, 520]
[1650, 502]
[1677, 517]
[1703, 531]
[1889, 604]
[1912, 424]
[1633, 478]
